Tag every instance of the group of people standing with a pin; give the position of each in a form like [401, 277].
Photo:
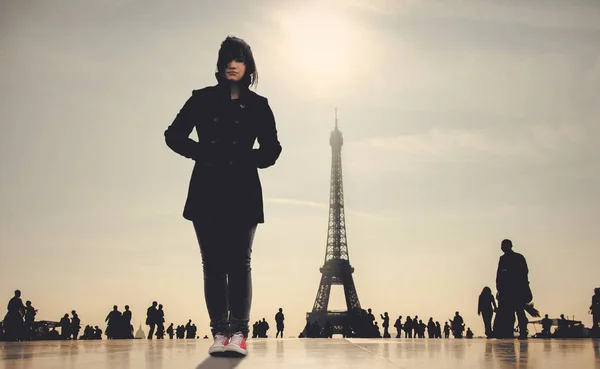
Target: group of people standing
[119, 324]
[416, 328]
[19, 319]
[155, 319]
[19, 323]
[69, 328]
[187, 331]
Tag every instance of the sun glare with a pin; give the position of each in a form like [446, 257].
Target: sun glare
[318, 45]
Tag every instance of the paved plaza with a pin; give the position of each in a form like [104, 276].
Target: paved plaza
[306, 353]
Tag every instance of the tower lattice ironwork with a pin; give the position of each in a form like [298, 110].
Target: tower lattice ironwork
[336, 269]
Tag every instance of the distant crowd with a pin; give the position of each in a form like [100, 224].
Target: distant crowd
[513, 294]
[364, 325]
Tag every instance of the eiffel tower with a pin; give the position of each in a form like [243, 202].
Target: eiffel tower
[336, 269]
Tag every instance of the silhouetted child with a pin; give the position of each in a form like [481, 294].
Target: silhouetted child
[446, 330]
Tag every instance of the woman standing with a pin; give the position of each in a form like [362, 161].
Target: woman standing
[224, 199]
[486, 309]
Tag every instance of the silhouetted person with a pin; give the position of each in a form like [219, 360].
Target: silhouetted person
[469, 333]
[188, 330]
[457, 325]
[264, 328]
[408, 327]
[13, 321]
[422, 327]
[398, 326]
[415, 326]
[225, 201]
[151, 318]
[170, 331]
[438, 330]
[512, 283]
[279, 318]
[595, 310]
[446, 330]
[126, 323]
[371, 317]
[113, 320]
[431, 328]
[30, 313]
[75, 325]
[180, 332]
[546, 326]
[97, 333]
[385, 324]
[160, 322]
[65, 327]
[562, 324]
[486, 308]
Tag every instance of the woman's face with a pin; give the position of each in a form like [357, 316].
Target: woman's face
[235, 70]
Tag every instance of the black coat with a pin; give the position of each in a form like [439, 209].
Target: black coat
[225, 185]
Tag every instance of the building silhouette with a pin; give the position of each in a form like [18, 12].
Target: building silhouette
[336, 269]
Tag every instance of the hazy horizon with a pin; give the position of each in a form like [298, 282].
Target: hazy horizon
[465, 122]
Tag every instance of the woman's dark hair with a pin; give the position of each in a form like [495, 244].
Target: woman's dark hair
[486, 291]
[234, 48]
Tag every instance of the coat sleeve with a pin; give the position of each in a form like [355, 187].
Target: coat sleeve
[177, 134]
[269, 147]
[498, 274]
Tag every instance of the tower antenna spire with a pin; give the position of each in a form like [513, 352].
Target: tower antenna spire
[336, 122]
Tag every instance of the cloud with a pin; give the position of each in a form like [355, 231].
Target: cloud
[312, 204]
[305, 203]
[534, 143]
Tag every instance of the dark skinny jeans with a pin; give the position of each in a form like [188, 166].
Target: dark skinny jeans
[226, 255]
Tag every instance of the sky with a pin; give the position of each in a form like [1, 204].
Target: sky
[465, 122]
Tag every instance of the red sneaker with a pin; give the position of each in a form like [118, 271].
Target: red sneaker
[218, 347]
[236, 345]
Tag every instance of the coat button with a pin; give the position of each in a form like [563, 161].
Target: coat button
[235, 142]
[237, 121]
[230, 163]
[242, 106]
[213, 141]
[215, 119]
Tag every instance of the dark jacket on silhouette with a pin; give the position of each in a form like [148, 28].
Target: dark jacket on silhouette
[225, 184]
[512, 280]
